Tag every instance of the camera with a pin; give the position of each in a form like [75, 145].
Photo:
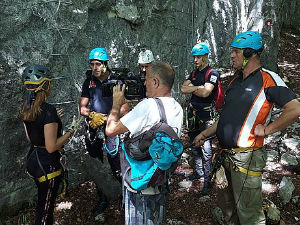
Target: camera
[134, 84]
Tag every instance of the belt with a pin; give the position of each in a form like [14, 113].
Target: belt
[62, 150]
[38, 146]
[238, 150]
[237, 168]
[245, 171]
[49, 176]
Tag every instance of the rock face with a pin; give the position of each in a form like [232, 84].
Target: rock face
[60, 34]
[290, 14]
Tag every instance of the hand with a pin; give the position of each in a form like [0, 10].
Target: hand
[124, 109]
[85, 111]
[97, 119]
[260, 130]
[199, 140]
[75, 124]
[118, 96]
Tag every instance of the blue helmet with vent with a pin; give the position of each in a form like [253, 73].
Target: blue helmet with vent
[248, 39]
[200, 49]
[100, 54]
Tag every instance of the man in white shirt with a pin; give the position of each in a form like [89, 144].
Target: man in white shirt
[146, 206]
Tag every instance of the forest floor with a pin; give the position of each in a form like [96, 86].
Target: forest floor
[187, 205]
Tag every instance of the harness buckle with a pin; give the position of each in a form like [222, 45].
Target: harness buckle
[232, 152]
[235, 168]
[229, 151]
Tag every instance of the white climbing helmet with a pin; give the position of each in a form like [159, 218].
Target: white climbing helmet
[145, 56]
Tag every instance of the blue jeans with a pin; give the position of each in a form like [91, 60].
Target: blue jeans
[144, 209]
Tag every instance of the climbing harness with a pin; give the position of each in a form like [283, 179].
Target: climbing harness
[48, 176]
[115, 149]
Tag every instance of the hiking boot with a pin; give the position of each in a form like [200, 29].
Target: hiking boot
[194, 176]
[99, 209]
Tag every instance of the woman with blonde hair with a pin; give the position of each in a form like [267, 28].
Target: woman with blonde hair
[43, 129]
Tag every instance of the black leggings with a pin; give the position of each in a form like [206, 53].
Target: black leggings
[47, 194]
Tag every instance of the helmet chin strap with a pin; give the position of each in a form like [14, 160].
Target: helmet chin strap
[31, 94]
[30, 97]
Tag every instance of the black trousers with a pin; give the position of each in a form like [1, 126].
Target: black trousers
[94, 145]
[47, 194]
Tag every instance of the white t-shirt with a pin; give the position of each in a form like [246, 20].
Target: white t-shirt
[145, 115]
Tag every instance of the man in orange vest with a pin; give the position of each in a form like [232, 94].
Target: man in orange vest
[242, 126]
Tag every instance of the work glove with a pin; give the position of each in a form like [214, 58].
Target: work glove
[97, 119]
[221, 180]
[75, 124]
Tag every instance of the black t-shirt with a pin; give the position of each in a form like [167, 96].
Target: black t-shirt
[92, 89]
[198, 78]
[35, 129]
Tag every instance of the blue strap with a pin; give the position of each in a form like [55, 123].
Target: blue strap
[114, 151]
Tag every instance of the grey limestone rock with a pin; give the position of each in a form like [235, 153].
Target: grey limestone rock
[60, 35]
[289, 159]
[286, 189]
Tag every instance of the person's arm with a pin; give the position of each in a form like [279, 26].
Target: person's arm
[291, 111]
[201, 91]
[188, 88]
[83, 103]
[200, 138]
[85, 98]
[125, 108]
[204, 91]
[114, 125]
[52, 143]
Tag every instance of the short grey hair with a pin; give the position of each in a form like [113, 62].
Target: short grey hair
[164, 72]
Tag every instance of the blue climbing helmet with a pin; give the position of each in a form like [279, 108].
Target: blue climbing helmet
[100, 54]
[248, 39]
[200, 49]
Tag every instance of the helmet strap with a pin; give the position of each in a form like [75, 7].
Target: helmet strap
[30, 97]
[43, 87]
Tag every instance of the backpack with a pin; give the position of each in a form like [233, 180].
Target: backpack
[219, 98]
[150, 157]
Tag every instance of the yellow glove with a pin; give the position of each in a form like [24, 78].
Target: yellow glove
[97, 119]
